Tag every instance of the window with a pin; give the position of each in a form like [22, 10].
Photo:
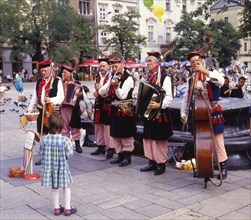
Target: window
[184, 5]
[245, 46]
[103, 37]
[168, 34]
[84, 7]
[61, 2]
[150, 32]
[226, 19]
[102, 13]
[116, 11]
[168, 5]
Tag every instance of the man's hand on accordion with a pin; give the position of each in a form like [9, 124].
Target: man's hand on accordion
[153, 105]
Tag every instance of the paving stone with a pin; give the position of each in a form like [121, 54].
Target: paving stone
[135, 204]
[88, 209]
[153, 210]
[21, 212]
[214, 207]
[239, 196]
[123, 213]
[168, 203]
[235, 215]
[172, 214]
[96, 216]
[117, 202]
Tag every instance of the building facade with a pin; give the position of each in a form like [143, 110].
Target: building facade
[232, 16]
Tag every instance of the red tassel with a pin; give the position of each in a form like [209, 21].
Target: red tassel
[165, 118]
[159, 119]
[97, 116]
[118, 113]
[123, 114]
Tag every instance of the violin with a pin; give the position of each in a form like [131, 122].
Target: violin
[48, 108]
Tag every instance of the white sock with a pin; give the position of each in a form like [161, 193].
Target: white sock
[67, 198]
[55, 198]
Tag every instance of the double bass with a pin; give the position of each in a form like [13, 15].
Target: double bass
[202, 124]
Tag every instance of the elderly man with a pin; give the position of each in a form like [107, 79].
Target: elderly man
[122, 127]
[211, 81]
[157, 131]
[48, 90]
[102, 111]
[71, 111]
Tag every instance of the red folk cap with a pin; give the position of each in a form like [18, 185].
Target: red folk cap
[192, 54]
[154, 54]
[104, 59]
[68, 68]
[115, 60]
[45, 63]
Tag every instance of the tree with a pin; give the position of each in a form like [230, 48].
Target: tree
[46, 26]
[226, 45]
[245, 14]
[191, 32]
[125, 41]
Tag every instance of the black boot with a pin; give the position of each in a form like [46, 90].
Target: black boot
[109, 153]
[38, 163]
[161, 168]
[127, 159]
[119, 159]
[223, 167]
[78, 148]
[151, 166]
[100, 150]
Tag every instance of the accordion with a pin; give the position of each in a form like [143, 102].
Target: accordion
[148, 92]
[70, 90]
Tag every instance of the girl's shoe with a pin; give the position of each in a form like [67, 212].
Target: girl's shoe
[58, 211]
[71, 211]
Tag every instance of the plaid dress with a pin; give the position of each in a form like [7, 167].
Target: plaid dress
[55, 149]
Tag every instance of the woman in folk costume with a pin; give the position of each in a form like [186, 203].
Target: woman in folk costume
[157, 131]
[211, 81]
[122, 128]
[102, 111]
[71, 113]
[48, 91]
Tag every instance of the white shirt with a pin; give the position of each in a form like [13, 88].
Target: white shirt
[57, 100]
[216, 78]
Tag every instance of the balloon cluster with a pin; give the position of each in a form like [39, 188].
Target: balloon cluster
[157, 10]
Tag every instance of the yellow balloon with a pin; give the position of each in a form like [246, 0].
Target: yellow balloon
[158, 12]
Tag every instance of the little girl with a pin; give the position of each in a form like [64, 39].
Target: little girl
[55, 149]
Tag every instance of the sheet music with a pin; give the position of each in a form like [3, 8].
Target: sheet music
[29, 140]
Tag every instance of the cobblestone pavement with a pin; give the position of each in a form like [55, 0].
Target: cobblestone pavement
[104, 191]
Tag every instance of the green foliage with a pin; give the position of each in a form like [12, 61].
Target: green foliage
[53, 27]
[191, 32]
[125, 41]
[226, 44]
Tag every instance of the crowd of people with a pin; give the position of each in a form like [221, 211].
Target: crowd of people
[62, 102]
